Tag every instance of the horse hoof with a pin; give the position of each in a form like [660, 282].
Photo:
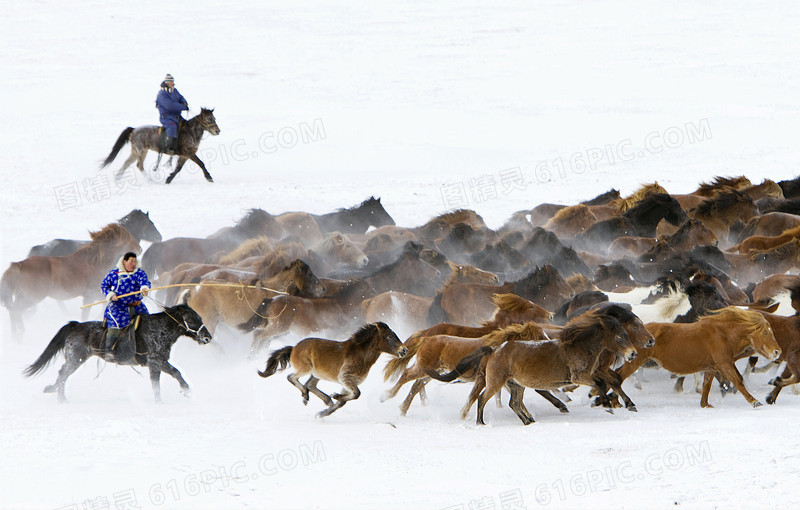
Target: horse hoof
[609, 410]
[210, 179]
[49, 389]
[770, 400]
[633, 409]
[757, 404]
[385, 397]
[187, 393]
[564, 410]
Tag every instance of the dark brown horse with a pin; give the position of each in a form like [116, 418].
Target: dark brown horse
[347, 363]
[545, 365]
[234, 305]
[26, 283]
[787, 333]
[147, 138]
[470, 304]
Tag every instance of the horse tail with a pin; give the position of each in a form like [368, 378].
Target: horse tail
[436, 313]
[395, 365]
[121, 141]
[277, 361]
[8, 285]
[259, 319]
[56, 345]
[469, 362]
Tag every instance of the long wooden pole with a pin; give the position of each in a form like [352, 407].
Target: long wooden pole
[237, 285]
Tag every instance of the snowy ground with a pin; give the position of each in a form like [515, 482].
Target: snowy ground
[431, 106]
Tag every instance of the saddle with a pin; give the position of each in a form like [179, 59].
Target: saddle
[124, 347]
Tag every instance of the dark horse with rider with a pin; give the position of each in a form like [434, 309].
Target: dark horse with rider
[175, 137]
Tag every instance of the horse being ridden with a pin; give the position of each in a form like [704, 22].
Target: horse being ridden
[147, 138]
[170, 104]
[154, 339]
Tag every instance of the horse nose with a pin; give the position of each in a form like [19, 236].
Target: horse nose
[363, 261]
[632, 355]
[651, 342]
[402, 352]
[776, 354]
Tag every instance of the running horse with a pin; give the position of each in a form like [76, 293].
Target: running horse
[155, 336]
[345, 362]
[146, 138]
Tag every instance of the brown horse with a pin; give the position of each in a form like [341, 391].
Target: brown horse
[545, 365]
[444, 352]
[767, 189]
[470, 304]
[234, 305]
[415, 308]
[769, 287]
[762, 243]
[769, 224]
[347, 363]
[787, 333]
[24, 284]
[710, 345]
[571, 221]
[756, 265]
[720, 211]
[709, 189]
[147, 138]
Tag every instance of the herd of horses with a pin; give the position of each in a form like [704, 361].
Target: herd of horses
[524, 306]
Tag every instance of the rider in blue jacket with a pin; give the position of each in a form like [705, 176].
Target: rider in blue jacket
[170, 104]
[127, 277]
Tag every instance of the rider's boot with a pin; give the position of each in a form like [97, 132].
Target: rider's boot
[169, 143]
[173, 145]
[112, 335]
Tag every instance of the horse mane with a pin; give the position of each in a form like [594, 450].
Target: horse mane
[753, 321]
[724, 199]
[369, 202]
[768, 187]
[709, 189]
[794, 232]
[578, 281]
[365, 333]
[584, 327]
[467, 216]
[509, 302]
[283, 254]
[255, 220]
[110, 235]
[251, 247]
[526, 331]
[644, 191]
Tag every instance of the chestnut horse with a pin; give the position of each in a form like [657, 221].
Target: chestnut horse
[24, 284]
[710, 345]
[444, 352]
[761, 243]
[347, 363]
[545, 365]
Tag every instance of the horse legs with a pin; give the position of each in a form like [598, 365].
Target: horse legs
[553, 400]
[75, 357]
[728, 370]
[295, 380]
[158, 366]
[351, 392]
[128, 162]
[708, 378]
[789, 376]
[516, 392]
[202, 166]
[407, 376]
[181, 162]
[418, 386]
[311, 385]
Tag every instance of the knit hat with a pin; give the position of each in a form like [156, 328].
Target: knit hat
[169, 77]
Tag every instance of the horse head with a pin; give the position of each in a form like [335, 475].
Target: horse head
[191, 323]
[381, 336]
[207, 121]
[378, 216]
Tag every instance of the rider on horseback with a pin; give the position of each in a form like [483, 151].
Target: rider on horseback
[170, 104]
[127, 277]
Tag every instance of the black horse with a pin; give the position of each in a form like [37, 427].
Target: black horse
[355, 220]
[155, 337]
[136, 222]
[147, 138]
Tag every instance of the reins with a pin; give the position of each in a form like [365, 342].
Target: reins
[240, 286]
